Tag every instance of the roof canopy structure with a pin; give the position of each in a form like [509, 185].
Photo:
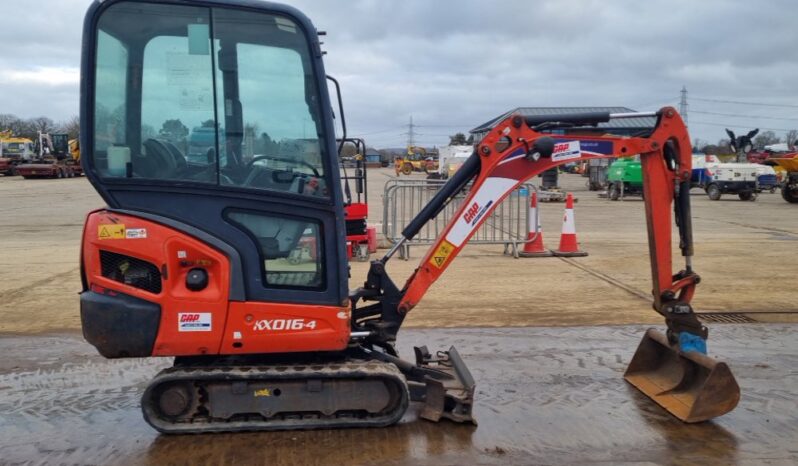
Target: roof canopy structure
[623, 126]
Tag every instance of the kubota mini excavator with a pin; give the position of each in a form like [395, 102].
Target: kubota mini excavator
[189, 258]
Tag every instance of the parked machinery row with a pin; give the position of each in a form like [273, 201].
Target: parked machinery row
[50, 156]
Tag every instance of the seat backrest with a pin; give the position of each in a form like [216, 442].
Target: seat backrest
[160, 161]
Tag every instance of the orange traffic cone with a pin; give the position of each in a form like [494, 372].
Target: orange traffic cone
[534, 244]
[568, 244]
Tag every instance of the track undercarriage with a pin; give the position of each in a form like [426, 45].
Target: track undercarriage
[359, 388]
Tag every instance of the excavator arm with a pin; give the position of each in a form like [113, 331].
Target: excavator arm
[513, 152]
[672, 369]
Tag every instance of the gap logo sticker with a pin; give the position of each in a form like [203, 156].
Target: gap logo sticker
[475, 212]
[194, 322]
[566, 150]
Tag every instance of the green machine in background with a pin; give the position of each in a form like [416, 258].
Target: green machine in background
[625, 177]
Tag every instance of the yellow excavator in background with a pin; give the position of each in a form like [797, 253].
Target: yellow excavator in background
[415, 161]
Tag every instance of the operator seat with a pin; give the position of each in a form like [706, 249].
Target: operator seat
[158, 163]
[179, 158]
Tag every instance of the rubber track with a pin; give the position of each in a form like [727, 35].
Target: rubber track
[342, 370]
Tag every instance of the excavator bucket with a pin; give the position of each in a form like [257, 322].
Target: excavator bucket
[690, 385]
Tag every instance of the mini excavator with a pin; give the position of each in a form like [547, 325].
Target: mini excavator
[189, 259]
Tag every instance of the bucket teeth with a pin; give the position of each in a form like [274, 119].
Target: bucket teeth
[689, 385]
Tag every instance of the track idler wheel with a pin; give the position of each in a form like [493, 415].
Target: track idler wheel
[689, 385]
[174, 401]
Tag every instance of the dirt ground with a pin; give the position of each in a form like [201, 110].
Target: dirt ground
[548, 393]
[544, 396]
[742, 254]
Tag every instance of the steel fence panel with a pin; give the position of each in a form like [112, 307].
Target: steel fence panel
[403, 200]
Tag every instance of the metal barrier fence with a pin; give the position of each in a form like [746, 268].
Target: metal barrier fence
[508, 224]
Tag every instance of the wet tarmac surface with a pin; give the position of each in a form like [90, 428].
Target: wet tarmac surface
[544, 396]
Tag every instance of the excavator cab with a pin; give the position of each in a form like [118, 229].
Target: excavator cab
[252, 82]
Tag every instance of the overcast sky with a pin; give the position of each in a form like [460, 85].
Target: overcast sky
[455, 64]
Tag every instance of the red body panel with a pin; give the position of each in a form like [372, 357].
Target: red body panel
[47, 170]
[38, 169]
[176, 253]
[356, 210]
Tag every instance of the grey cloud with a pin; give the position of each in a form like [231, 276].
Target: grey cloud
[461, 63]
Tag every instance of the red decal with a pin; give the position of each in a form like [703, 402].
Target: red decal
[471, 212]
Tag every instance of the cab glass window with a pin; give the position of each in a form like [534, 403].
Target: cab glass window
[110, 113]
[290, 248]
[209, 96]
[176, 108]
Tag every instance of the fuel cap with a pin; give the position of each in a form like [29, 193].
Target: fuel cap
[197, 279]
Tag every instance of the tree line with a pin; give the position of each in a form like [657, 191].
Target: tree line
[30, 127]
[460, 139]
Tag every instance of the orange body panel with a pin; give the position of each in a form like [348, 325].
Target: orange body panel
[227, 327]
[288, 327]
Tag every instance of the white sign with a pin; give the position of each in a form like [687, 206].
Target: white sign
[483, 201]
[566, 151]
[136, 233]
[194, 322]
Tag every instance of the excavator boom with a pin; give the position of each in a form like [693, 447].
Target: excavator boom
[669, 369]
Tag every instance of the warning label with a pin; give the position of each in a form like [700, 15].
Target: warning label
[441, 254]
[136, 233]
[111, 231]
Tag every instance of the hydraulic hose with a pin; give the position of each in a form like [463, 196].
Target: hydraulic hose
[456, 183]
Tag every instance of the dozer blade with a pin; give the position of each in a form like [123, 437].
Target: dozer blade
[448, 387]
[690, 385]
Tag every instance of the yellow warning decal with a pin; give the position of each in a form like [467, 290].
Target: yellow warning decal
[263, 392]
[111, 231]
[441, 254]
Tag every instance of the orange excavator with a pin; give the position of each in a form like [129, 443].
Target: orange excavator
[189, 260]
